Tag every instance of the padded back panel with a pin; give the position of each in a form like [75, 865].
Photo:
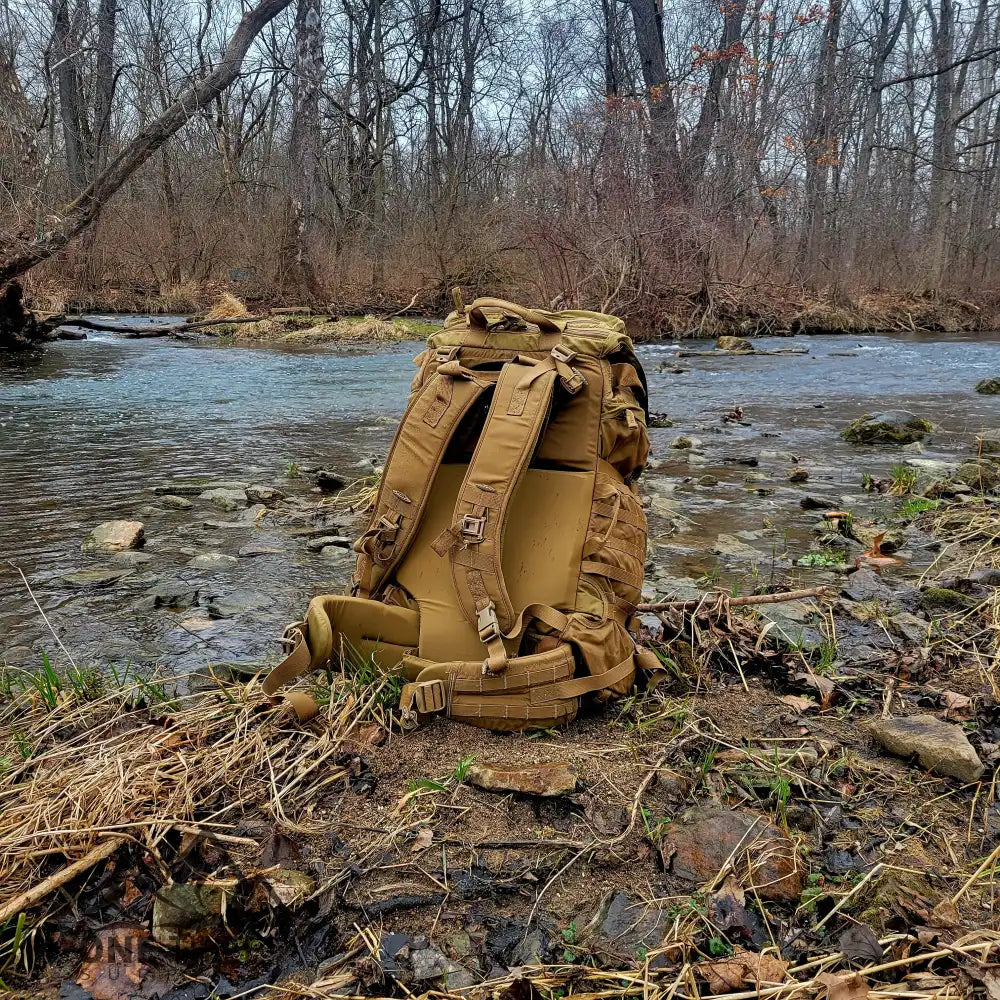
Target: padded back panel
[542, 551]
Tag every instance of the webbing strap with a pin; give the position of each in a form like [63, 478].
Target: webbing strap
[423, 436]
[294, 665]
[577, 686]
[518, 413]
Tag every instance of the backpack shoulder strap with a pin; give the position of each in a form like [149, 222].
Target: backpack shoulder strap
[518, 414]
[424, 433]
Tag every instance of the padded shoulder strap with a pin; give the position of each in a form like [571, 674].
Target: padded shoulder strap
[520, 409]
[414, 459]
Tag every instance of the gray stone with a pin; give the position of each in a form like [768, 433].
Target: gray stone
[318, 544]
[252, 513]
[909, 627]
[939, 746]
[337, 553]
[988, 442]
[212, 560]
[865, 585]
[980, 475]
[253, 550]
[181, 489]
[683, 442]
[225, 498]
[188, 916]
[170, 594]
[114, 536]
[264, 494]
[130, 557]
[103, 577]
[330, 482]
[913, 448]
[630, 925]
[730, 547]
[237, 602]
[708, 480]
[889, 427]
[176, 502]
[429, 963]
[813, 502]
[988, 386]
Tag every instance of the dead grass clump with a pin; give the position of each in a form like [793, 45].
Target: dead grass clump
[227, 306]
[368, 330]
[357, 497]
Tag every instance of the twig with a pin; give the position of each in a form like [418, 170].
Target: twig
[738, 602]
[409, 305]
[28, 899]
[48, 624]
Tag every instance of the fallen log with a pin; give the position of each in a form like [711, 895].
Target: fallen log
[736, 602]
[130, 332]
[742, 354]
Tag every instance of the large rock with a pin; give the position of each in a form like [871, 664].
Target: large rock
[865, 585]
[188, 916]
[175, 501]
[115, 536]
[547, 780]
[988, 442]
[329, 481]
[989, 386]
[730, 547]
[980, 475]
[212, 561]
[940, 746]
[225, 498]
[696, 848]
[890, 427]
[237, 602]
[318, 544]
[736, 345]
[264, 494]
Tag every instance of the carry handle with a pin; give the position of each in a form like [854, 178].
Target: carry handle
[474, 314]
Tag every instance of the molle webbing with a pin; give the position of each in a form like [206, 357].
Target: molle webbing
[520, 408]
[416, 454]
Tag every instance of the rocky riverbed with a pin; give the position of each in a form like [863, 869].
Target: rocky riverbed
[807, 793]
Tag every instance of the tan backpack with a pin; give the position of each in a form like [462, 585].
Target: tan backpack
[505, 553]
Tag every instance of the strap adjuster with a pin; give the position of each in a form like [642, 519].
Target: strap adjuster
[387, 528]
[473, 529]
[445, 354]
[575, 382]
[488, 623]
[423, 698]
[562, 353]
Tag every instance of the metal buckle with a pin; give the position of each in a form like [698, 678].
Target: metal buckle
[473, 528]
[575, 383]
[488, 623]
[562, 353]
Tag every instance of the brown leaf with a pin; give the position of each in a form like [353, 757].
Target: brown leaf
[843, 987]
[113, 969]
[798, 702]
[946, 915]
[957, 706]
[730, 974]
[821, 684]
[423, 839]
[860, 944]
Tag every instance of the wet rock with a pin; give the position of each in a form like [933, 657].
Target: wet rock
[865, 585]
[814, 502]
[264, 494]
[212, 561]
[982, 475]
[337, 554]
[798, 476]
[114, 536]
[730, 547]
[893, 539]
[318, 544]
[225, 525]
[176, 502]
[913, 448]
[944, 599]
[237, 602]
[708, 480]
[909, 627]
[253, 550]
[66, 333]
[330, 482]
[889, 427]
[988, 386]
[188, 916]
[628, 925]
[939, 746]
[988, 442]
[225, 498]
[130, 557]
[659, 420]
[676, 588]
[696, 848]
[170, 594]
[181, 489]
[287, 887]
[792, 625]
[548, 780]
[736, 345]
[103, 577]
[252, 513]
[682, 442]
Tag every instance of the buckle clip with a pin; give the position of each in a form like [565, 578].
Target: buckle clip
[446, 354]
[488, 623]
[473, 529]
[421, 698]
[562, 353]
[387, 529]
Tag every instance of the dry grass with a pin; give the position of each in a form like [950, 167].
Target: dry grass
[227, 307]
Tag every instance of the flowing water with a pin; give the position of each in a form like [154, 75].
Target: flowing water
[89, 428]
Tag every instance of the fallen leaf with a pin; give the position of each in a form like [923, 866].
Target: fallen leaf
[957, 706]
[113, 969]
[946, 915]
[730, 974]
[799, 702]
[843, 987]
[823, 685]
[423, 839]
[860, 944]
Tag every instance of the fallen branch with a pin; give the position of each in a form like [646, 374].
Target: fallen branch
[737, 602]
[153, 330]
[36, 894]
[409, 305]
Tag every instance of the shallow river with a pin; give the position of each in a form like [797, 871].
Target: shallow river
[88, 428]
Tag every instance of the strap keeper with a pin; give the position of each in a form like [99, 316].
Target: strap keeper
[574, 383]
[473, 530]
[422, 698]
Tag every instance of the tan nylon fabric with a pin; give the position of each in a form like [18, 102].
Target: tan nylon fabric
[506, 550]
